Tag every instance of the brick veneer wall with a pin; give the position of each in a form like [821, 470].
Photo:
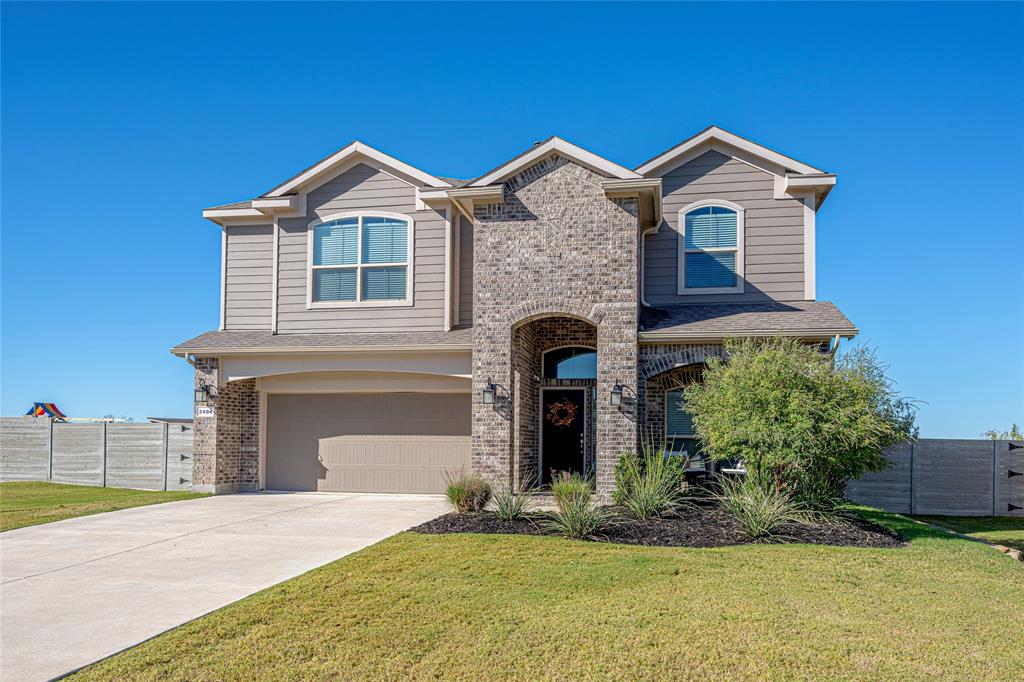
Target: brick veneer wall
[555, 246]
[226, 445]
[664, 366]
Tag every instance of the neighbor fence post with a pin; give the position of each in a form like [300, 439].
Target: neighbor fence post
[49, 450]
[103, 462]
[165, 455]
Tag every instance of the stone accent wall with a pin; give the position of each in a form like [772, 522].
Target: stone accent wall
[556, 246]
[226, 445]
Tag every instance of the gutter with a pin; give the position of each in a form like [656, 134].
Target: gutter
[691, 337]
[291, 350]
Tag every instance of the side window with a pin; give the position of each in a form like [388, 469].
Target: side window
[360, 259]
[711, 250]
[679, 433]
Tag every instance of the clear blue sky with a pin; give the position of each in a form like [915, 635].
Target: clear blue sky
[120, 122]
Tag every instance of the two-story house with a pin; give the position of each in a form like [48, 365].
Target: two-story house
[380, 325]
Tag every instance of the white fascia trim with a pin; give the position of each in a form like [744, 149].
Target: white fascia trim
[690, 337]
[289, 350]
[344, 154]
[717, 134]
[553, 146]
[219, 214]
[223, 275]
[275, 203]
[809, 249]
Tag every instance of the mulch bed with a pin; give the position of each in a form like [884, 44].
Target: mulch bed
[693, 527]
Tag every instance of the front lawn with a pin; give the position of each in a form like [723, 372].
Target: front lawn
[28, 503]
[482, 607]
[999, 530]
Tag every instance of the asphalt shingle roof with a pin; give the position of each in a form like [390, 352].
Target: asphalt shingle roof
[259, 340]
[744, 319]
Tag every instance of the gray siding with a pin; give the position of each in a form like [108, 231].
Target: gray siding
[465, 301]
[363, 188]
[248, 287]
[774, 249]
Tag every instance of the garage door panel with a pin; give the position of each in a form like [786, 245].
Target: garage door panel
[394, 442]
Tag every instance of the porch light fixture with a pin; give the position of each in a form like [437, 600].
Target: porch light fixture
[616, 397]
[489, 390]
[202, 392]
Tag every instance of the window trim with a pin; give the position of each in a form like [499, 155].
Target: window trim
[544, 355]
[681, 250]
[358, 266]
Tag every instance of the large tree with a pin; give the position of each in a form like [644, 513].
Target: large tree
[799, 419]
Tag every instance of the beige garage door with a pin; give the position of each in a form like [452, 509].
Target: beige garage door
[358, 442]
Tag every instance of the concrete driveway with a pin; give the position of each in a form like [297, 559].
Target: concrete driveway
[79, 590]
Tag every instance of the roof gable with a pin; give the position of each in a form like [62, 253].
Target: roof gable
[555, 145]
[715, 138]
[348, 156]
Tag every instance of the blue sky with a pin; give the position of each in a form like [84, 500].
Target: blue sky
[120, 122]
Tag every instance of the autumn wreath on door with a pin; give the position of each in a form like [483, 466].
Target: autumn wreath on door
[561, 413]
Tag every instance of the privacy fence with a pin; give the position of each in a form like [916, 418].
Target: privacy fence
[951, 477]
[149, 456]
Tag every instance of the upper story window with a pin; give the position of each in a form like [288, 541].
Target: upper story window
[711, 248]
[360, 259]
[572, 362]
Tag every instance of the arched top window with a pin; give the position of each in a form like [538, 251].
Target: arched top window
[360, 259]
[571, 362]
[711, 248]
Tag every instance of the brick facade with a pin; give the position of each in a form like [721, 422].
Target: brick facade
[226, 445]
[556, 246]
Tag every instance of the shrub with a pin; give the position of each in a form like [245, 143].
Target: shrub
[759, 509]
[567, 488]
[467, 493]
[579, 518]
[648, 484]
[510, 505]
[798, 419]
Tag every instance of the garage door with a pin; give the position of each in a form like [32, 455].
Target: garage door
[358, 442]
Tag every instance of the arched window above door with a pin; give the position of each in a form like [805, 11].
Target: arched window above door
[570, 362]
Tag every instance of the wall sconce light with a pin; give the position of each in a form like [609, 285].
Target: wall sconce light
[203, 392]
[489, 391]
[622, 395]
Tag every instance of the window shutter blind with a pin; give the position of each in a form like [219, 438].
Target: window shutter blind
[384, 284]
[334, 285]
[336, 242]
[706, 270]
[385, 240]
[678, 422]
[710, 227]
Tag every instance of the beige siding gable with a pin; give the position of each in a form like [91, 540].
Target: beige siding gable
[774, 245]
[363, 188]
[247, 280]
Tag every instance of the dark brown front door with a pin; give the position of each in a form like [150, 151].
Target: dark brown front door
[562, 431]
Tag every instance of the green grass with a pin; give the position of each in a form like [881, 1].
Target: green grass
[475, 607]
[1000, 530]
[29, 503]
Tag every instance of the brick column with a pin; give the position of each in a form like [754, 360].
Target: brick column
[226, 444]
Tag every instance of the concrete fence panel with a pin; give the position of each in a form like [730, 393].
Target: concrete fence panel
[78, 453]
[148, 456]
[24, 449]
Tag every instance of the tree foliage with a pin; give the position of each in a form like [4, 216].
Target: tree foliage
[798, 419]
[1013, 434]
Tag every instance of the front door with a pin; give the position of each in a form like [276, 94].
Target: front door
[562, 431]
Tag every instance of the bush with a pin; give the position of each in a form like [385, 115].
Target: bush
[510, 505]
[467, 493]
[579, 518]
[567, 488]
[648, 484]
[759, 509]
[798, 419]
